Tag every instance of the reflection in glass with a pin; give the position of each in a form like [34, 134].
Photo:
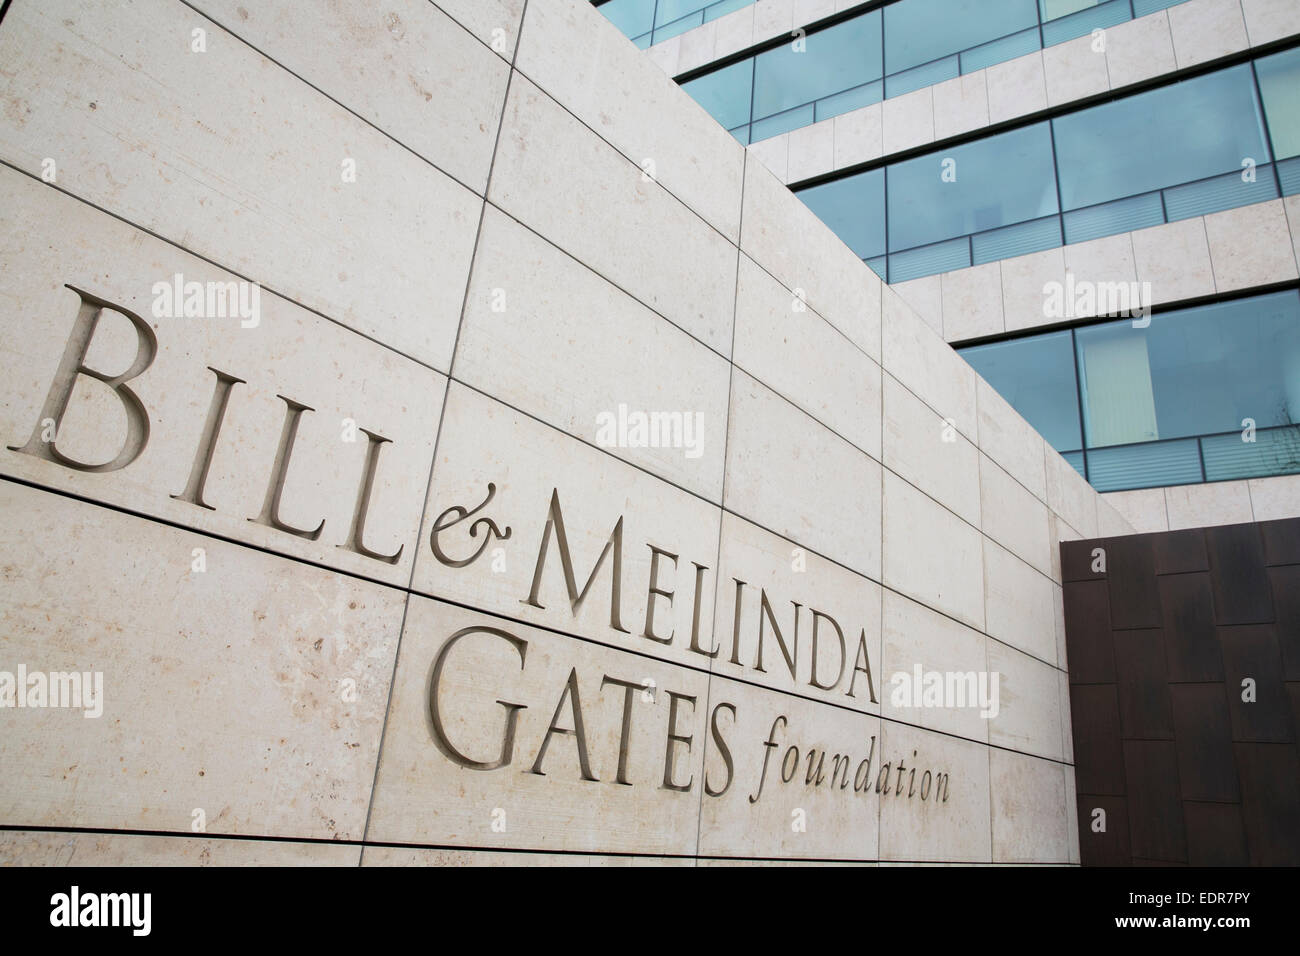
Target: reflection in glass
[854, 208]
[1193, 372]
[1175, 134]
[633, 17]
[725, 93]
[982, 185]
[918, 31]
[826, 62]
[1279, 83]
[1035, 375]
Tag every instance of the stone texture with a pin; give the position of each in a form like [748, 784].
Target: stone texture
[528, 463]
[922, 448]
[1029, 818]
[1272, 498]
[783, 235]
[1074, 70]
[630, 251]
[919, 359]
[925, 296]
[908, 120]
[859, 136]
[811, 150]
[533, 313]
[640, 112]
[774, 153]
[423, 796]
[794, 584]
[1175, 259]
[1016, 87]
[1268, 20]
[1029, 718]
[1250, 246]
[960, 104]
[1010, 441]
[155, 147]
[67, 848]
[972, 302]
[1199, 506]
[405, 68]
[931, 555]
[1205, 30]
[652, 244]
[1139, 49]
[781, 342]
[821, 492]
[1144, 508]
[1018, 603]
[1012, 516]
[267, 723]
[349, 385]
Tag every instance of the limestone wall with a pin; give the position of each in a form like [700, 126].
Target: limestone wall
[435, 432]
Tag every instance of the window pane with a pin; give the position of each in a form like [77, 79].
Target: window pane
[1164, 137]
[1062, 8]
[1275, 451]
[670, 10]
[633, 17]
[1036, 376]
[1001, 180]
[678, 27]
[1193, 372]
[918, 31]
[1145, 466]
[854, 208]
[832, 60]
[1083, 22]
[723, 7]
[725, 93]
[1279, 81]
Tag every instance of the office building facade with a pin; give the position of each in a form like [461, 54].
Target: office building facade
[431, 437]
[1095, 203]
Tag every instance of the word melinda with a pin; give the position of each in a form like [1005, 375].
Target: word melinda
[810, 667]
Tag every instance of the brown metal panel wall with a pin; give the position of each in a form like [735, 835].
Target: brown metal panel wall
[1160, 641]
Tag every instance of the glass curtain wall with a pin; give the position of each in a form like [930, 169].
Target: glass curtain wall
[1203, 394]
[1193, 147]
[896, 48]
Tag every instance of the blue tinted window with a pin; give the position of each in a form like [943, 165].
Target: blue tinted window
[1052, 9]
[998, 181]
[1036, 376]
[1192, 372]
[831, 60]
[1190, 130]
[918, 31]
[854, 208]
[670, 10]
[1279, 82]
[725, 93]
[633, 17]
